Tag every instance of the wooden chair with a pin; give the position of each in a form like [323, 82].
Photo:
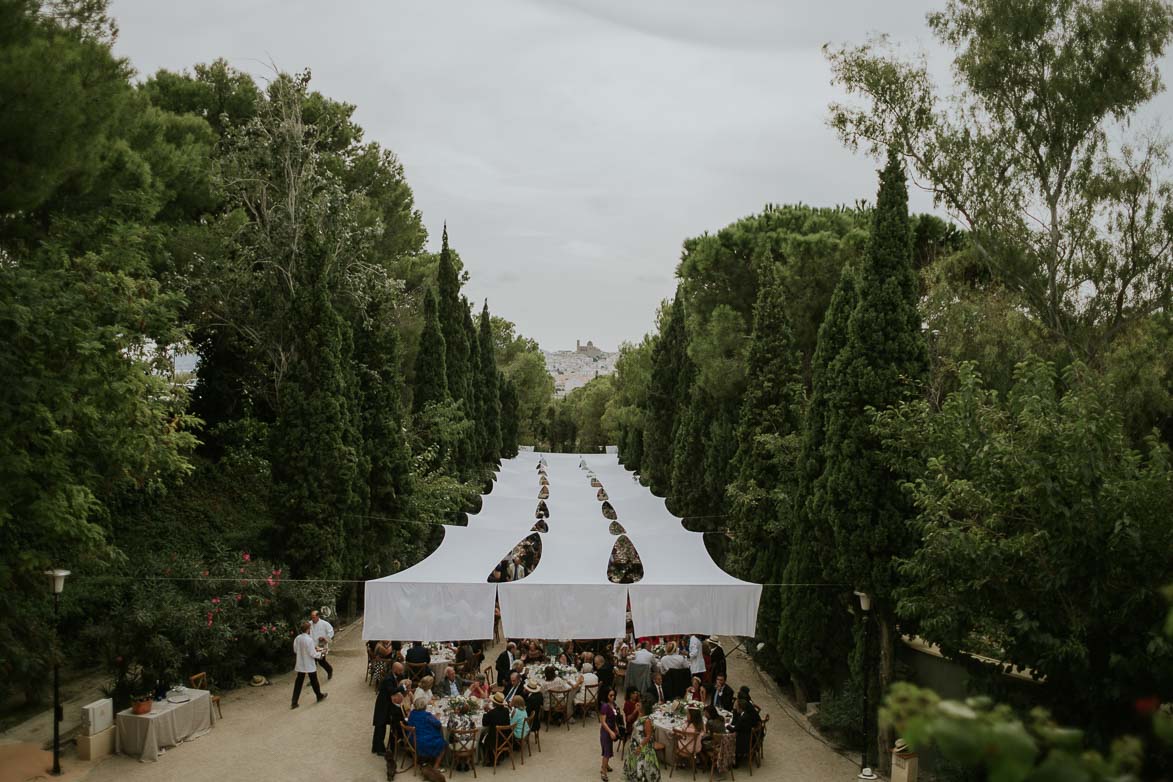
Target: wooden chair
[200, 682]
[504, 745]
[408, 744]
[756, 734]
[724, 753]
[417, 671]
[560, 704]
[464, 747]
[590, 701]
[535, 734]
[683, 744]
[490, 673]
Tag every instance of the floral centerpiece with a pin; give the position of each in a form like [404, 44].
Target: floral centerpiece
[458, 704]
[438, 649]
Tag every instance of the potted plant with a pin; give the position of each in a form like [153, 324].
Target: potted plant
[141, 704]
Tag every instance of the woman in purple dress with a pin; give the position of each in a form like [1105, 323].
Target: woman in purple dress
[608, 732]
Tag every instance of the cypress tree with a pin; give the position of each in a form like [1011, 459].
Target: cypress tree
[474, 400]
[452, 314]
[384, 437]
[669, 374]
[510, 422]
[763, 490]
[491, 393]
[883, 362]
[313, 453]
[812, 639]
[431, 384]
[688, 491]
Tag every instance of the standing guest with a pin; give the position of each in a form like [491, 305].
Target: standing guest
[307, 664]
[323, 633]
[535, 701]
[479, 688]
[395, 720]
[517, 717]
[608, 731]
[696, 656]
[429, 738]
[656, 693]
[717, 664]
[505, 663]
[632, 710]
[418, 653]
[722, 694]
[605, 671]
[388, 711]
[495, 717]
[385, 705]
[745, 719]
[641, 763]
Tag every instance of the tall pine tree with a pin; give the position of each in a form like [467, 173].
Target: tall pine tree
[452, 313]
[491, 393]
[883, 362]
[431, 382]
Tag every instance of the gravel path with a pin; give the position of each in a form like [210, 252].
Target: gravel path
[260, 738]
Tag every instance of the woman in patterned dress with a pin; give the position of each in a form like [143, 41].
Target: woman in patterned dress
[641, 763]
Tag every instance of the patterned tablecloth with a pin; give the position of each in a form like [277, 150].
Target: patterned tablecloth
[167, 724]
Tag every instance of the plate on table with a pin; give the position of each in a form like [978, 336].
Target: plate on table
[178, 698]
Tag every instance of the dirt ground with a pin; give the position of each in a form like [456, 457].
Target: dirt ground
[260, 738]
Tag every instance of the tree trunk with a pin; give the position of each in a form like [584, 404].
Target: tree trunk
[885, 670]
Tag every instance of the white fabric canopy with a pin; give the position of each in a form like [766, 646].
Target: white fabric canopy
[447, 596]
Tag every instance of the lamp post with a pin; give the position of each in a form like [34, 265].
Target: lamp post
[57, 584]
[865, 604]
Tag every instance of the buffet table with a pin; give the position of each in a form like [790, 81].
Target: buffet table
[185, 715]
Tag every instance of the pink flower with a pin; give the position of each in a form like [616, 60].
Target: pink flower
[271, 582]
[205, 573]
[247, 556]
[215, 600]
[264, 629]
[277, 572]
[209, 619]
[238, 597]
[242, 570]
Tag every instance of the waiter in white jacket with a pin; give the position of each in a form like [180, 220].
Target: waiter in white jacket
[307, 664]
[696, 657]
[323, 633]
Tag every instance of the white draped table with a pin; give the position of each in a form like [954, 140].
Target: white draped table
[167, 724]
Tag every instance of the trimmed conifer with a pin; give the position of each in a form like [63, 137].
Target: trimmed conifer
[490, 391]
[431, 383]
[670, 374]
[452, 313]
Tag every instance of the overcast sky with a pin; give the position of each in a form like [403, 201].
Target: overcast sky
[571, 145]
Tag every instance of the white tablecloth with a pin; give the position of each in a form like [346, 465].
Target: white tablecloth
[165, 725]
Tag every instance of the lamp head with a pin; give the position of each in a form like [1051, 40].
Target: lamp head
[57, 579]
[865, 600]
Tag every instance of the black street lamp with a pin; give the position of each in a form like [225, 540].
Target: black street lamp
[865, 604]
[57, 584]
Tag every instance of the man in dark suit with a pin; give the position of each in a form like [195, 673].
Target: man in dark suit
[717, 665]
[389, 699]
[535, 701]
[656, 692]
[395, 720]
[514, 687]
[418, 653]
[722, 694]
[505, 663]
[495, 717]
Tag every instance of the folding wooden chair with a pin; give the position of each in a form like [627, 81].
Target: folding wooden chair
[560, 704]
[463, 745]
[408, 744]
[504, 745]
[200, 682]
[683, 744]
[590, 701]
[536, 735]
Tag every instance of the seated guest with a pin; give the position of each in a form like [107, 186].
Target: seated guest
[656, 692]
[418, 653]
[745, 719]
[587, 678]
[714, 732]
[451, 684]
[496, 716]
[535, 701]
[672, 660]
[425, 689]
[563, 659]
[743, 692]
[723, 694]
[697, 691]
[382, 650]
[429, 736]
[513, 688]
[517, 718]
[479, 688]
[694, 726]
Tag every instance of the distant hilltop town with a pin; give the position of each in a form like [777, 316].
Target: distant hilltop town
[573, 369]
